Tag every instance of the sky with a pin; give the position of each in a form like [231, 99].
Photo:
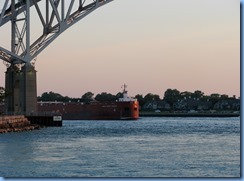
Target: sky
[150, 45]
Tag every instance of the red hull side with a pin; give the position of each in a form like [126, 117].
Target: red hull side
[93, 111]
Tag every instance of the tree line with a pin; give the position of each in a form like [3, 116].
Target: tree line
[85, 98]
[171, 96]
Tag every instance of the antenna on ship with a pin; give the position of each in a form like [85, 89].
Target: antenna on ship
[124, 88]
[125, 98]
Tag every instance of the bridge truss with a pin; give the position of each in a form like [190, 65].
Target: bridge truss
[54, 17]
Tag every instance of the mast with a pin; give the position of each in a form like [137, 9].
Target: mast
[124, 88]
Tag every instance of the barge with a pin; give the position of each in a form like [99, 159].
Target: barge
[126, 108]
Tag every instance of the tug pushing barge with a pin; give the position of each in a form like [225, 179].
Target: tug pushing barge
[125, 108]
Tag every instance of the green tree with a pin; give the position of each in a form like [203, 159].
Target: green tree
[103, 97]
[198, 94]
[52, 96]
[151, 97]
[214, 98]
[87, 97]
[140, 99]
[65, 99]
[215, 95]
[119, 95]
[186, 94]
[171, 96]
[224, 96]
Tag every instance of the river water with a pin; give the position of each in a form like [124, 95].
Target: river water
[148, 147]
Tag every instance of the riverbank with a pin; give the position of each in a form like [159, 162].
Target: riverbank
[16, 124]
[164, 114]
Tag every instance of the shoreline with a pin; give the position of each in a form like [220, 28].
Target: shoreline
[153, 114]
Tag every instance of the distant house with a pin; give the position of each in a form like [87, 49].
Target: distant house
[181, 104]
[161, 105]
[228, 104]
[204, 105]
[192, 104]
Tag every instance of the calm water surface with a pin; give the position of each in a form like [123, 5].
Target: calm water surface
[149, 147]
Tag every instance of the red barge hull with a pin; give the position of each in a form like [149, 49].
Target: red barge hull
[92, 111]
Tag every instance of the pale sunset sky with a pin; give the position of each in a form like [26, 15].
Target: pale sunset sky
[150, 45]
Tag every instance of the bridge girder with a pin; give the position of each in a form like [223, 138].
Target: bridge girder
[55, 16]
[58, 16]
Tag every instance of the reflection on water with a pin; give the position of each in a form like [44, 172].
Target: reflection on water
[149, 147]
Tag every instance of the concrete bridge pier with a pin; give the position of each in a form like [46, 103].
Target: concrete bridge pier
[20, 84]
[28, 90]
[12, 88]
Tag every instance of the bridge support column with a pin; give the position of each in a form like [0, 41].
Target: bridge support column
[12, 87]
[21, 86]
[28, 90]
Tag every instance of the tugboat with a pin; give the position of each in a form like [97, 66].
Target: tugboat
[126, 108]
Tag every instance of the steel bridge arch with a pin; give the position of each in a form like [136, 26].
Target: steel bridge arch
[59, 15]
